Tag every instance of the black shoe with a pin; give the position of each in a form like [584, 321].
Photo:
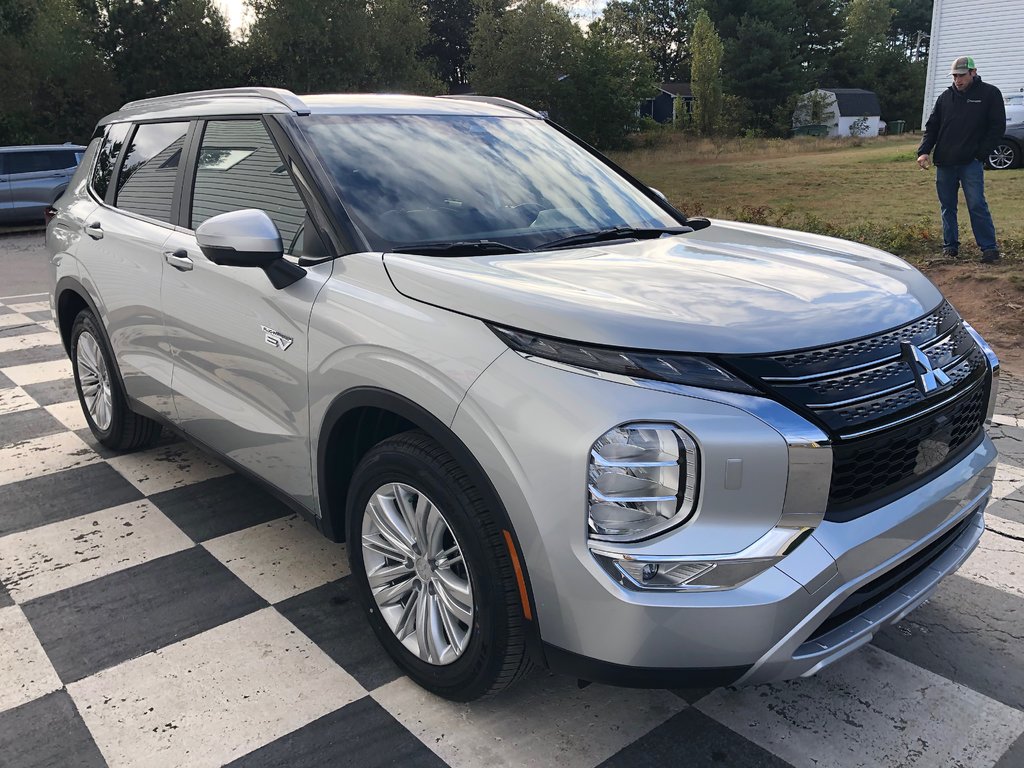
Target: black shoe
[950, 253]
[990, 256]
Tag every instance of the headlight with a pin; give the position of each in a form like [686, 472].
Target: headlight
[643, 479]
[672, 367]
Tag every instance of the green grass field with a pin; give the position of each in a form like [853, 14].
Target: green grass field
[868, 190]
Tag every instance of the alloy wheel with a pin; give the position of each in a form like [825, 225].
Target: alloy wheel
[1002, 157]
[417, 574]
[94, 379]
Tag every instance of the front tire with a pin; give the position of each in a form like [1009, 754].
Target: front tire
[433, 572]
[106, 411]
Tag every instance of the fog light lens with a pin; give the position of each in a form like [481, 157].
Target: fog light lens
[664, 575]
[643, 479]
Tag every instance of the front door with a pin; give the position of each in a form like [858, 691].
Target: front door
[240, 345]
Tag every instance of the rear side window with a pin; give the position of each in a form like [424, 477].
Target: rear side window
[145, 183]
[113, 142]
[239, 167]
[36, 162]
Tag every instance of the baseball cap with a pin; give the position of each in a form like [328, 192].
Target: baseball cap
[962, 65]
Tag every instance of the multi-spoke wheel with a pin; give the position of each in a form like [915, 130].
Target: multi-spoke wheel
[433, 570]
[417, 573]
[103, 403]
[1006, 155]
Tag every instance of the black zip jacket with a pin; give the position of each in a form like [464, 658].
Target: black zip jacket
[964, 126]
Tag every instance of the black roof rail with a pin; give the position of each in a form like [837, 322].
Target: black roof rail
[497, 101]
[280, 95]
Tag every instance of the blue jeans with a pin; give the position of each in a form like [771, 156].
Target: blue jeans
[972, 178]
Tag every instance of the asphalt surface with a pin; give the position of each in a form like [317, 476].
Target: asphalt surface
[158, 610]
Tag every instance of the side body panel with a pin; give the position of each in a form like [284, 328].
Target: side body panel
[233, 389]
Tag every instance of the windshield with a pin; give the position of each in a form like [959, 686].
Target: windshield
[417, 179]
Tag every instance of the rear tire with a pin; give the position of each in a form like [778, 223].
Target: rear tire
[445, 600]
[106, 411]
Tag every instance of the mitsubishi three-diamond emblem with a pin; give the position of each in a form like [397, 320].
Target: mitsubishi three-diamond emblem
[927, 379]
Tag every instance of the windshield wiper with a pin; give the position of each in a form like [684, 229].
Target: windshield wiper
[616, 233]
[458, 248]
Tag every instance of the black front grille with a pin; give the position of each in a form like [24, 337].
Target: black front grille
[887, 435]
[868, 471]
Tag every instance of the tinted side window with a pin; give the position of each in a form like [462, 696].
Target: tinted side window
[107, 157]
[239, 167]
[145, 183]
[35, 162]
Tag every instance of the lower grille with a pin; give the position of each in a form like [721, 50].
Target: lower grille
[867, 470]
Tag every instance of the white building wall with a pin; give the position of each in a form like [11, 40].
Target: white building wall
[992, 31]
[843, 129]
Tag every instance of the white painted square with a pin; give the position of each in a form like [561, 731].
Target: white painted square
[166, 467]
[870, 709]
[29, 341]
[37, 373]
[26, 459]
[998, 561]
[1008, 421]
[545, 720]
[282, 558]
[12, 319]
[25, 670]
[214, 697]
[31, 306]
[69, 414]
[15, 399]
[71, 552]
[1008, 480]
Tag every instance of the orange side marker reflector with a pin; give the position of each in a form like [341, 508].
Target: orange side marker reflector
[524, 599]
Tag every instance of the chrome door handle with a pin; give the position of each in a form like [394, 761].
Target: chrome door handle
[179, 260]
[95, 231]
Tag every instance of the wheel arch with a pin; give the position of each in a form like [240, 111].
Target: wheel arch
[360, 418]
[70, 298]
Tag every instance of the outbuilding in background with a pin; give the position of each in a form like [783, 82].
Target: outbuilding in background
[843, 111]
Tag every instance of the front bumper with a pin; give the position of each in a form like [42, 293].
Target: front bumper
[598, 629]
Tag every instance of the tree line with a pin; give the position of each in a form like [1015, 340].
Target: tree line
[68, 62]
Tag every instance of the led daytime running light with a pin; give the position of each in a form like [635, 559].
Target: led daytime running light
[671, 367]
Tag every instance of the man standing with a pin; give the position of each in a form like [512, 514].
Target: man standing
[965, 126]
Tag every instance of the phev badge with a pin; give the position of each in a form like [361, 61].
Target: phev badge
[275, 339]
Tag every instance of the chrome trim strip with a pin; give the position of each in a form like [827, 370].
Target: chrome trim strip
[993, 362]
[919, 414]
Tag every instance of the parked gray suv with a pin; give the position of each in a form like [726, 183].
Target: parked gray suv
[33, 177]
[557, 421]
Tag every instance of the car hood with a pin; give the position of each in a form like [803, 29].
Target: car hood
[730, 288]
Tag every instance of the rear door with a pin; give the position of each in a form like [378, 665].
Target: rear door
[35, 176]
[239, 344]
[121, 256]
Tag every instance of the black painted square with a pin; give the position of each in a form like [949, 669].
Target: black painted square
[968, 633]
[96, 625]
[692, 739]
[332, 617]
[219, 506]
[32, 355]
[62, 496]
[46, 733]
[360, 735]
[26, 425]
[52, 392]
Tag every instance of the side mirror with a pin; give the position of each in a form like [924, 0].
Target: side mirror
[247, 238]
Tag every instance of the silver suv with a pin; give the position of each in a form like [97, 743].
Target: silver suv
[33, 177]
[556, 421]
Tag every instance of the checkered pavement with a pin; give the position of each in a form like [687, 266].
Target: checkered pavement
[158, 610]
